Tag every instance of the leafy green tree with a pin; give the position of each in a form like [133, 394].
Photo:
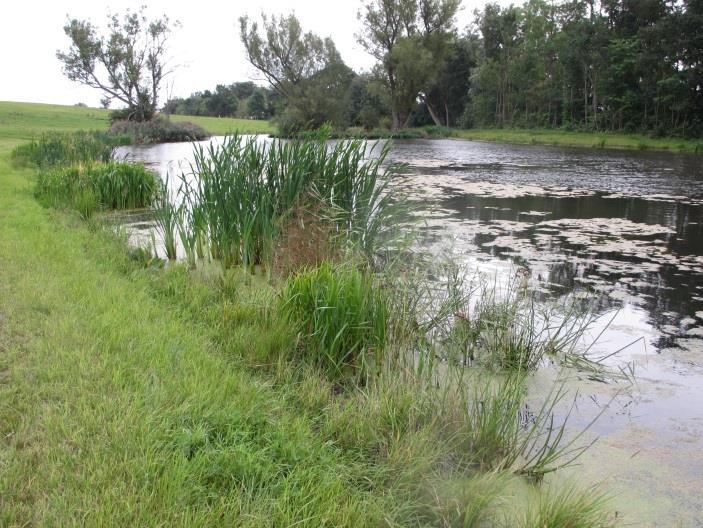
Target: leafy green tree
[306, 70]
[256, 105]
[409, 38]
[128, 64]
[446, 92]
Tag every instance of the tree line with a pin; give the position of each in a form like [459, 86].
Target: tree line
[618, 65]
[240, 99]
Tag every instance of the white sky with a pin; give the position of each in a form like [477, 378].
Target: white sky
[206, 47]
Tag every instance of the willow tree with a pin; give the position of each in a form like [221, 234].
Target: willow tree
[128, 63]
[305, 69]
[410, 39]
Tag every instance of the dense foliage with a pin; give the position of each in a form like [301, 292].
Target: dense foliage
[158, 130]
[241, 99]
[610, 65]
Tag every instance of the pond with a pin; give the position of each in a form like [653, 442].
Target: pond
[626, 227]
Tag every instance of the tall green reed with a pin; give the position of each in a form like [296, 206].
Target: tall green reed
[112, 185]
[167, 216]
[55, 148]
[243, 189]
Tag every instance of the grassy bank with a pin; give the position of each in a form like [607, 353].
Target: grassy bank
[549, 137]
[21, 121]
[581, 139]
[154, 395]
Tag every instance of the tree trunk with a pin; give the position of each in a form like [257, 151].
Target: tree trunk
[396, 120]
[433, 114]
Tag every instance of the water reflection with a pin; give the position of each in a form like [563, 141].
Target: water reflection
[631, 230]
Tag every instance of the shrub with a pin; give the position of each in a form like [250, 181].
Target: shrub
[341, 316]
[158, 130]
[439, 131]
[289, 124]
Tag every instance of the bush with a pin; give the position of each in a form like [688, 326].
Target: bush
[341, 316]
[439, 131]
[290, 124]
[109, 185]
[158, 130]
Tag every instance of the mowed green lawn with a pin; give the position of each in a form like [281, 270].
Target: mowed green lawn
[21, 121]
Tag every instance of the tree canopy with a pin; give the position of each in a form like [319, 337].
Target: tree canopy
[305, 69]
[127, 64]
[411, 39]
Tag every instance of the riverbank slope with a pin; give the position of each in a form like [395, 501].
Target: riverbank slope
[117, 409]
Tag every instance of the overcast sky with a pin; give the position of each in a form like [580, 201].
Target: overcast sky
[206, 47]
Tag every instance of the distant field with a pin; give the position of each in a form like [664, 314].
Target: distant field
[220, 126]
[20, 121]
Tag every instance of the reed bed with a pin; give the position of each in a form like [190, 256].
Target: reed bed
[240, 194]
[53, 149]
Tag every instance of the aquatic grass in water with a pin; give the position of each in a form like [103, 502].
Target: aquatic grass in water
[341, 316]
[244, 191]
[502, 432]
[511, 330]
[567, 507]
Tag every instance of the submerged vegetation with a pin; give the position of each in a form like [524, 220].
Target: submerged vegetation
[337, 392]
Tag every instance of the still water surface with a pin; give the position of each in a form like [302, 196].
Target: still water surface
[626, 227]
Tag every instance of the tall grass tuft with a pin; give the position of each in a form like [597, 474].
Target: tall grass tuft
[245, 191]
[341, 316]
[167, 216]
[567, 507]
[53, 149]
[120, 185]
[111, 185]
[502, 432]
